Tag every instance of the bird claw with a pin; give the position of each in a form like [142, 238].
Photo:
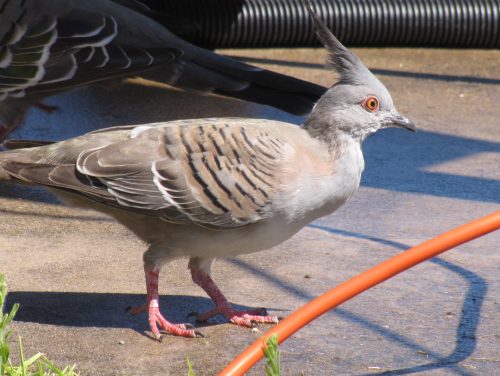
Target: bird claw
[199, 334]
[156, 319]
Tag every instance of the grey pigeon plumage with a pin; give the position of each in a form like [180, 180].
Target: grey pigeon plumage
[208, 188]
[47, 46]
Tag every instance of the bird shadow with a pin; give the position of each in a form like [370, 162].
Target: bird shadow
[106, 310]
[377, 71]
[465, 337]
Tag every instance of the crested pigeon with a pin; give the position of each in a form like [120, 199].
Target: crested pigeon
[47, 46]
[219, 187]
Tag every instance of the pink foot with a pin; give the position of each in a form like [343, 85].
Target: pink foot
[250, 318]
[154, 315]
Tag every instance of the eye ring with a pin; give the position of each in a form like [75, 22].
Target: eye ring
[371, 103]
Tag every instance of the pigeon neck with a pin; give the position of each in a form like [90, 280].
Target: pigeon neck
[329, 133]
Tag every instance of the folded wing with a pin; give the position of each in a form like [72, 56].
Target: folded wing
[211, 174]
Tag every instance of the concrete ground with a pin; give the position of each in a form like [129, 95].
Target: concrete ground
[74, 271]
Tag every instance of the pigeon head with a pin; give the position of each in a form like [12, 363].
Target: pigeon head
[358, 103]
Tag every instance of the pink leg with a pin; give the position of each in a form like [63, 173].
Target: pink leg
[222, 306]
[153, 308]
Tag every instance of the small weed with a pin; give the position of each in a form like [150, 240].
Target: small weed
[272, 355]
[190, 368]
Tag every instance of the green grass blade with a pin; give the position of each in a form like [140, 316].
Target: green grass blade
[21, 358]
[190, 367]
[272, 356]
[40, 369]
[28, 363]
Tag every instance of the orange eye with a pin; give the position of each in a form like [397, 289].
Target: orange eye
[371, 104]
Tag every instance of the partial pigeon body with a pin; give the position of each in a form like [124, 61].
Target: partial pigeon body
[47, 46]
[208, 188]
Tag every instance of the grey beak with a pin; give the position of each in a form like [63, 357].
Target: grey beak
[397, 120]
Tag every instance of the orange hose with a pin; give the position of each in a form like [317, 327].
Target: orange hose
[360, 283]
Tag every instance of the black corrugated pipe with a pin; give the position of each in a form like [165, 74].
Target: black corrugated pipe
[285, 23]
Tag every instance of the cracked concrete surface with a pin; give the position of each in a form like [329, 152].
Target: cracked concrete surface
[75, 271]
